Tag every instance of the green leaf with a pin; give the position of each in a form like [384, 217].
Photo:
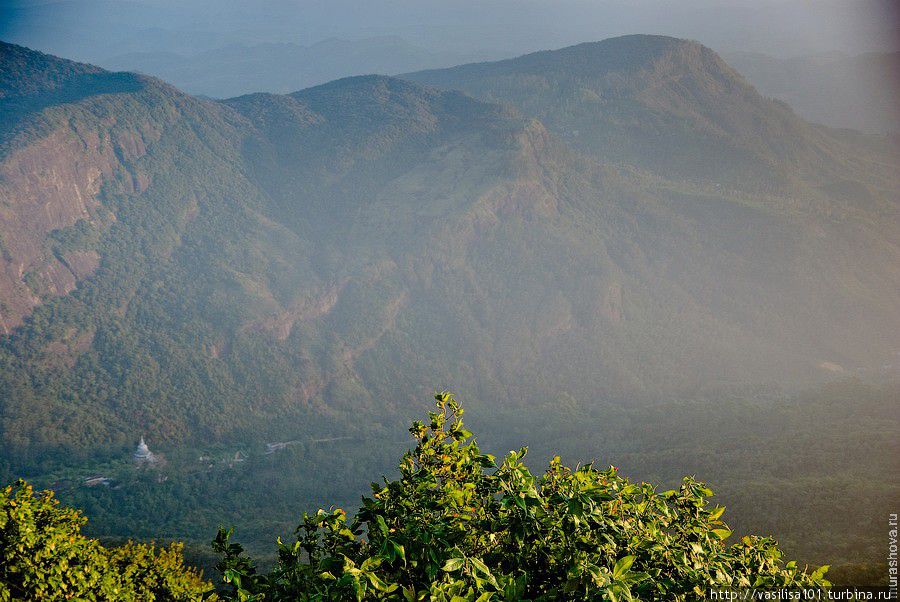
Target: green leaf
[380, 585]
[622, 566]
[722, 534]
[482, 568]
[397, 551]
[819, 573]
[716, 512]
[381, 525]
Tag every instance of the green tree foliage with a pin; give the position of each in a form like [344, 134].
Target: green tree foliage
[44, 556]
[459, 526]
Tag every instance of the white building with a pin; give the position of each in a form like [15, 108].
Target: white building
[143, 455]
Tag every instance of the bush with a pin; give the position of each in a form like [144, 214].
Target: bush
[44, 556]
[457, 526]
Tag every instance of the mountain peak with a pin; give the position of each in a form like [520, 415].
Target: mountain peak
[24, 71]
[624, 54]
[663, 103]
[377, 86]
[363, 99]
[31, 81]
[46, 79]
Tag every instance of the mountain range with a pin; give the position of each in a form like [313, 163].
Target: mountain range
[833, 89]
[625, 221]
[618, 250]
[282, 67]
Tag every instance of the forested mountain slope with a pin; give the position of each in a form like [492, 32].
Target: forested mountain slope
[280, 265]
[673, 106]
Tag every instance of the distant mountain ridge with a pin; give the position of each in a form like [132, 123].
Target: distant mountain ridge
[835, 89]
[282, 67]
[279, 265]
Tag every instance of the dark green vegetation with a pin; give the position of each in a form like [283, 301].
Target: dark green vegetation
[779, 465]
[44, 556]
[303, 267]
[456, 525]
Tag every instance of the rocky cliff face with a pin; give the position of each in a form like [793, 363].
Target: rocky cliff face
[70, 135]
[49, 185]
[52, 168]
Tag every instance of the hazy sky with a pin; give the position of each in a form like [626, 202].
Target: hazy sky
[96, 30]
